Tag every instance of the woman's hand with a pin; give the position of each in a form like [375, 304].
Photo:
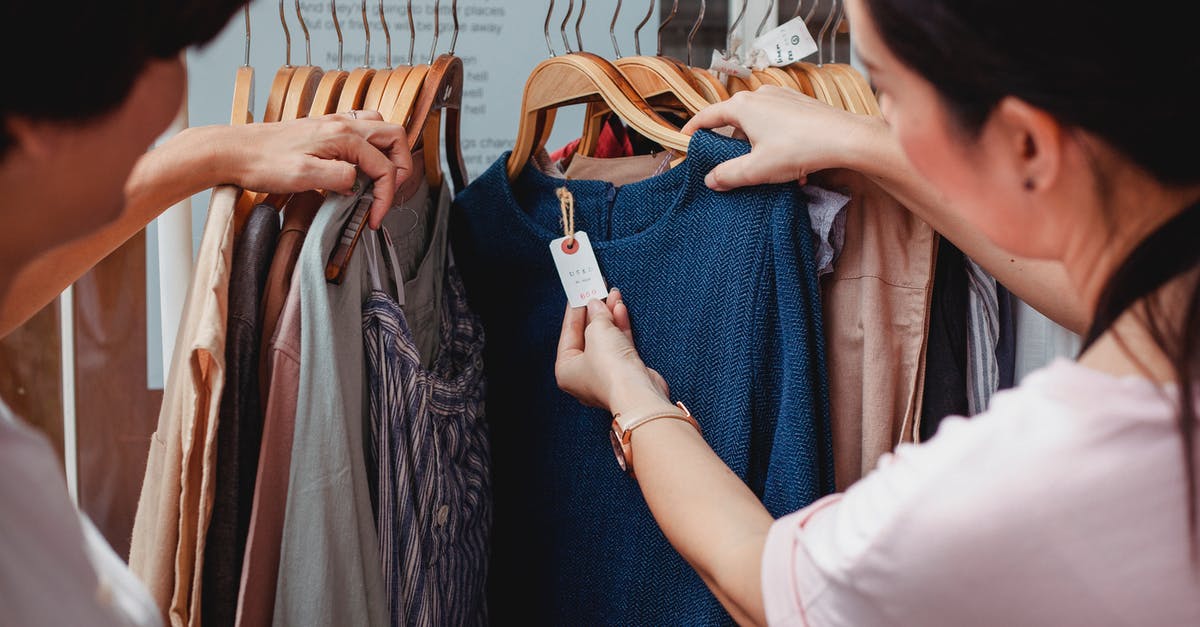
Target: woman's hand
[317, 153]
[599, 364]
[791, 136]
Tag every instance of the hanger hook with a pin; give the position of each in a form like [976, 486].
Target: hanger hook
[562, 28]
[799, 6]
[454, 15]
[696, 29]
[766, 16]
[546, 29]
[612, 27]
[387, 34]
[412, 34]
[437, 27]
[823, 32]
[578, 21]
[733, 27]
[663, 26]
[307, 39]
[367, 33]
[637, 32]
[287, 35]
[838, 26]
[337, 27]
[246, 12]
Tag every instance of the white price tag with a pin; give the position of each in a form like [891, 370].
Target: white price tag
[578, 269]
[786, 44]
[730, 65]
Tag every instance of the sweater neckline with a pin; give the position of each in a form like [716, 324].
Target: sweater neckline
[674, 188]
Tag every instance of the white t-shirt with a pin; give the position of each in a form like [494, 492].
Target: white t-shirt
[55, 567]
[1063, 505]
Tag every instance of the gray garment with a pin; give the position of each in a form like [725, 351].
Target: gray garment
[983, 338]
[55, 568]
[329, 563]
[1040, 341]
[418, 240]
[827, 214]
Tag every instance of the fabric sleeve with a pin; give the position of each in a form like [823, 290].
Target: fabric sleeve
[872, 555]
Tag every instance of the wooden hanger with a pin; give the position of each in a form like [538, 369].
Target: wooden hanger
[440, 93]
[710, 85]
[283, 78]
[243, 84]
[303, 87]
[579, 78]
[329, 90]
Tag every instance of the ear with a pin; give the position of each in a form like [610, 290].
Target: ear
[35, 140]
[1030, 140]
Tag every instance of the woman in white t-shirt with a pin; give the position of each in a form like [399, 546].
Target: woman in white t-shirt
[75, 183]
[1053, 142]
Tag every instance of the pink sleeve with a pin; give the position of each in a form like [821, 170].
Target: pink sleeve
[781, 584]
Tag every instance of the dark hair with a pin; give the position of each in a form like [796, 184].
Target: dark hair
[1093, 68]
[100, 47]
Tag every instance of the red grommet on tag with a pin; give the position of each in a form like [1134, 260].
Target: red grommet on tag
[570, 246]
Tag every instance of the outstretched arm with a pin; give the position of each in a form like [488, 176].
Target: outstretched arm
[793, 136]
[285, 157]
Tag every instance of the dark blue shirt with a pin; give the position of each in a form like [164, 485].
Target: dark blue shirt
[723, 295]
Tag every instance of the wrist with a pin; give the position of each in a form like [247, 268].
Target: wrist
[639, 398]
[221, 153]
[865, 145]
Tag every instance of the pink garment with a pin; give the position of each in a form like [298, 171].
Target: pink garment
[260, 564]
[1062, 505]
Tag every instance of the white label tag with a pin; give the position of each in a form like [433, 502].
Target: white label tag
[730, 65]
[786, 44]
[578, 269]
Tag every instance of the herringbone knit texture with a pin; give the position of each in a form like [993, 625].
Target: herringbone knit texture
[723, 294]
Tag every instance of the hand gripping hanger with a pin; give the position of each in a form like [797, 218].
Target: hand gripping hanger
[303, 87]
[440, 91]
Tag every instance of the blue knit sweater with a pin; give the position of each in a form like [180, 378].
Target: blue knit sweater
[723, 295]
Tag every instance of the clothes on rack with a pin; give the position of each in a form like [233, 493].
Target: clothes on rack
[749, 361]
[260, 564]
[177, 494]
[329, 555]
[297, 217]
[434, 514]
[946, 353]
[876, 311]
[239, 432]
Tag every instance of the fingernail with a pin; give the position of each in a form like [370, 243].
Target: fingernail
[594, 306]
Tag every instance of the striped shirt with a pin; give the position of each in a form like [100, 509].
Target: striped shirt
[434, 489]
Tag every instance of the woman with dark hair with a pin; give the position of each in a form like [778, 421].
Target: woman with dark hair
[1054, 143]
[76, 181]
